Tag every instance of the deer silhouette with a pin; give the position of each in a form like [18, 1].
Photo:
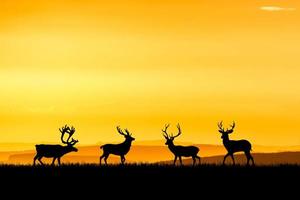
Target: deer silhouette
[118, 149]
[233, 146]
[56, 151]
[180, 151]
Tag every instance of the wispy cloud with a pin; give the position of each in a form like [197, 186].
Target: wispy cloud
[276, 8]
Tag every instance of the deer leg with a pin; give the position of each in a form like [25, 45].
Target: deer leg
[105, 158]
[175, 159]
[180, 160]
[34, 159]
[225, 158]
[199, 159]
[101, 157]
[40, 160]
[249, 157]
[232, 157]
[58, 160]
[53, 161]
[122, 159]
[194, 160]
[252, 160]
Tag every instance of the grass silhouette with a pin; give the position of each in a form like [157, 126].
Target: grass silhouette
[152, 180]
[144, 170]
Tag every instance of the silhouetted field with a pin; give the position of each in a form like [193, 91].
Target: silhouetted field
[152, 179]
[146, 171]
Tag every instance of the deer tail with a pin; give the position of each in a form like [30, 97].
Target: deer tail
[101, 147]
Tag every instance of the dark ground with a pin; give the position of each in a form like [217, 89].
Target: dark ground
[151, 181]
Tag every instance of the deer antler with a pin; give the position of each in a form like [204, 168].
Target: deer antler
[73, 142]
[231, 128]
[179, 131]
[66, 129]
[220, 125]
[120, 131]
[71, 132]
[63, 131]
[221, 129]
[128, 133]
[165, 134]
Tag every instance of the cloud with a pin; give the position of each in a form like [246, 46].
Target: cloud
[276, 8]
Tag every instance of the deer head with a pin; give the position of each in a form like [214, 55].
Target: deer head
[171, 137]
[66, 129]
[228, 131]
[127, 135]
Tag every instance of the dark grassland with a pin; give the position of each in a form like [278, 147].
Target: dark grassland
[152, 180]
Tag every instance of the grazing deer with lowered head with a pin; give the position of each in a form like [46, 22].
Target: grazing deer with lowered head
[179, 151]
[117, 149]
[56, 151]
[233, 146]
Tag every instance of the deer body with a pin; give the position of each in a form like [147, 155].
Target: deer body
[56, 151]
[178, 150]
[233, 146]
[51, 151]
[117, 149]
[184, 151]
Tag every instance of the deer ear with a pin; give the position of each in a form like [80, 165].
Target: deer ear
[231, 131]
[221, 131]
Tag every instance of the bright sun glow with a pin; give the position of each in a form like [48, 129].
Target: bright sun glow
[140, 64]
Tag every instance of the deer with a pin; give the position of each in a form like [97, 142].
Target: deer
[118, 149]
[180, 151]
[56, 151]
[233, 146]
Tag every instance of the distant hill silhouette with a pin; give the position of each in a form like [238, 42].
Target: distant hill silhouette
[260, 158]
[158, 143]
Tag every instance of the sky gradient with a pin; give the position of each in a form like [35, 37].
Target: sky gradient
[141, 64]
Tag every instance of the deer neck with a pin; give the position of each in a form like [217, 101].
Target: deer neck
[226, 141]
[171, 146]
[127, 143]
[66, 149]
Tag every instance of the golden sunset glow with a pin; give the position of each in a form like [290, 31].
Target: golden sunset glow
[141, 64]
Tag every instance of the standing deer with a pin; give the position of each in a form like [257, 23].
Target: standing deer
[56, 151]
[118, 149]
[179, 151]
[233, 146]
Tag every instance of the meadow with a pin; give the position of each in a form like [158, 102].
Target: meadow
[144, 172]
[154, 181]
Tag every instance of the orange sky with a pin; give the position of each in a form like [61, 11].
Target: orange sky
[140, 64]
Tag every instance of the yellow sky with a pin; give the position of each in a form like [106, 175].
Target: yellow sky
[140, 64]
